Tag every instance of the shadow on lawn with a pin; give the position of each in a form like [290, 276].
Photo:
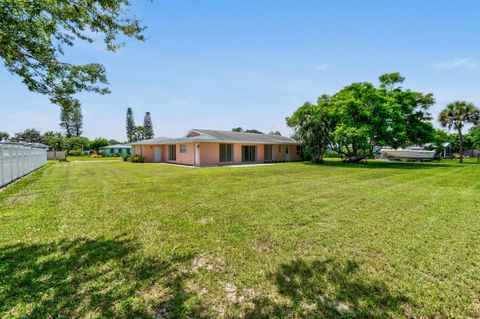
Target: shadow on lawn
[328, 289]
[89, 278]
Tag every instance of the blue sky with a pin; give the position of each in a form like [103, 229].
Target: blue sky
[250, 63]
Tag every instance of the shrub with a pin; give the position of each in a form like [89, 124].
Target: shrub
[331, 154]
[126, 157]
[136, 158]
[75, 153]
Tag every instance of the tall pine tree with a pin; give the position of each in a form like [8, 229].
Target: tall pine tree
[71, 118]
[77, 120]
[130, 124]
[148, 126]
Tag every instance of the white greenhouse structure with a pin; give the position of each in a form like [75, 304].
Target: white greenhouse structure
[19, 159]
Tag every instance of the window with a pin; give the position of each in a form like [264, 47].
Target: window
[120, 151]
[286, 149]
[183, 148]
[279, 148]
[298, 150]
[249, 153]
[267, 152]
[226, 152]
[172, 152]
[111, 151]
[128, 151]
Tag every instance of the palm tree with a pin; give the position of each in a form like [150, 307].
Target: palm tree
[456, 115]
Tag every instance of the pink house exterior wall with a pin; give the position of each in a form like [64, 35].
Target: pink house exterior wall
[209, 153]
[187, 158]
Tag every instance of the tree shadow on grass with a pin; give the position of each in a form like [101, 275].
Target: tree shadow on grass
[95, 278]
[328, 289]
[384, 165]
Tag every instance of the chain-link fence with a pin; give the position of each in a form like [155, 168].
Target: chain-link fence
[17, 160]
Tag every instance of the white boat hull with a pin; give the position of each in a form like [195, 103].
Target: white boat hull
[407, 154]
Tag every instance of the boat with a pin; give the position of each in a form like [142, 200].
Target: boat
[416, 154]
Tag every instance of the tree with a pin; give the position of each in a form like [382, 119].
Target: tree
[4, 136]
[391, 81]
[71, 118]
[237, 129]
[475, 135]
[148, 126]
[30, 135]
[130, 125]
[114, 141]
[253, 131]
[439, 139]
[97, 143]
[35, 34]
[410, 121]
[362, 116]
[387, 116]
[55, 140]
[275, 133]
[138, 134]
[77, 120]
[312, 125]
[456, 115]
[77, 143]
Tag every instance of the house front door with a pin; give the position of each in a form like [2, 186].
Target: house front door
[287, 155]
[157, 154]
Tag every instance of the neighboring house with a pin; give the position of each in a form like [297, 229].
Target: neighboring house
[212, 147]
[117, 149]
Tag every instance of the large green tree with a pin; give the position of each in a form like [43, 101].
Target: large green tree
[456, 115]
[312, 125]
[35, 34]
[362, 116]
[148, 126]
[390, 115]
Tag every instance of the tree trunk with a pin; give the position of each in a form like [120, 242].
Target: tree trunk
[460, 139]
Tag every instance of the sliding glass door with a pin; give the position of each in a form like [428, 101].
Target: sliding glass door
[268, 151]
[249, 153]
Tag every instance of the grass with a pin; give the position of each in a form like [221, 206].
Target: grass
[89, 158]
[383, 240]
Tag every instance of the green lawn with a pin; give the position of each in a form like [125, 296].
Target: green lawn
[89, 158]
[117, 239]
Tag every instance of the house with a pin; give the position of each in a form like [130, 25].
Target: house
[213, 147]
[117, 149]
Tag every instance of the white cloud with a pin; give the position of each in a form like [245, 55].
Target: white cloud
[459, 63]
[322, 67]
